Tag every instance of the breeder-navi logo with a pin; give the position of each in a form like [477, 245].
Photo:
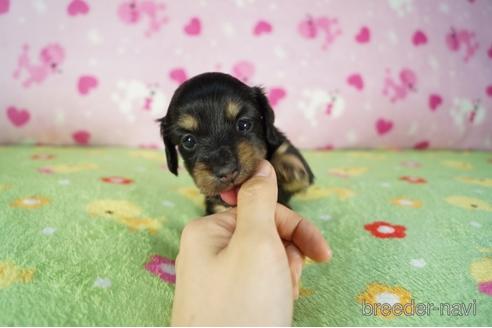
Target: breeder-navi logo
[419, 309]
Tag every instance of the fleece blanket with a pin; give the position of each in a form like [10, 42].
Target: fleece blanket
[88, 236]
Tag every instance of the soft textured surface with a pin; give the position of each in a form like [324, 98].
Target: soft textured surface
[88, 235]
[350, 73]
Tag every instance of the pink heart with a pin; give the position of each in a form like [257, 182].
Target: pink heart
[18, 117]
[4, 6]
[490, 52]
[78, 7]
[178, 75]
[81, 137]
[262, 27]
[194, 27]
[364, 35]
[383, 126]
[356, 81]
[243, 70]
[435, 101]
[489, 91]
[419, 38]
[422, 145]
[86, 83]
[275, 95]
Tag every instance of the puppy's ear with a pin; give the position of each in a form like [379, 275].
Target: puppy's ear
[273, 136]
[171, 154]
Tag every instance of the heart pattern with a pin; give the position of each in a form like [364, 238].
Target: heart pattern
[356, 81]
[275, 95]
[262, 27]
[383, 126]
[81, 137]
[4, 6]
[178, 75]
[488, 91]
[364, 35]
[17, 116]
[77, 7]
[419, 38]
[86, 84]
[435, 101]
[320, 69]
[422, 145]
[194, 27]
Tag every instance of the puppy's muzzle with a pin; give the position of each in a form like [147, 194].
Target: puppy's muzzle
[224, 165]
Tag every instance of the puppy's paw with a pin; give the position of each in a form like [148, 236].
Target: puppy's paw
[292, 174]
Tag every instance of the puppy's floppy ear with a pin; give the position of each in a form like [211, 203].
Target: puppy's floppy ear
[273, 136]
[171, 154]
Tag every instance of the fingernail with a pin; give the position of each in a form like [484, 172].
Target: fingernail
[264, 169]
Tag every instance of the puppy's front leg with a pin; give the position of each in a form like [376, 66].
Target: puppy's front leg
[293, 172]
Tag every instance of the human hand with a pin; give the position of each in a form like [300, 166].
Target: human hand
[242, 266]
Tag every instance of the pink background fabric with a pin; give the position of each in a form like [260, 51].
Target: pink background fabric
[395, 73]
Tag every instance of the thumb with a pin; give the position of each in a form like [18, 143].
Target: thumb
[256, 202]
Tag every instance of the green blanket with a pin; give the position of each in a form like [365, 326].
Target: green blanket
[88, 237]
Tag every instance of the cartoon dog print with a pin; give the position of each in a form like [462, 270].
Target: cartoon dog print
[132, 96]
[398, 89]
[50, 59]
[134, 11]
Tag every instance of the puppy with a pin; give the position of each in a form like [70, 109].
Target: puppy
[222, 129]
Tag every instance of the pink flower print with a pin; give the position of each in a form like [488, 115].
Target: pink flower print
[162, 267]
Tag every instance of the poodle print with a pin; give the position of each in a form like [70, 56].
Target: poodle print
[317, 101]
[462, 39]
[132, 12]
[50, 59]
[398, 89]
[132, 96]
[310, 27]
[467, 113]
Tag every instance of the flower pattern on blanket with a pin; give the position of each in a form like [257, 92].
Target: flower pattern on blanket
[11, 274]
[123, 212]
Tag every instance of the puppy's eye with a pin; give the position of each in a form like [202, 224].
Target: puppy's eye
[188, 142]
[244, 125]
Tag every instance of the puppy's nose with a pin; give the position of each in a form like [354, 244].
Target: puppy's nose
[226, 173]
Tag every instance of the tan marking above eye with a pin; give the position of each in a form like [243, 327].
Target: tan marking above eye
[188, 122]
[232, 110]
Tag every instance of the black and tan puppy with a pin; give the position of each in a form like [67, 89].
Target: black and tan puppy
[223, 128]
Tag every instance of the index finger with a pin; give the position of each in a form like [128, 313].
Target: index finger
[305, 235]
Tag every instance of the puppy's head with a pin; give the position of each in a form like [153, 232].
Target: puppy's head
[222, 129]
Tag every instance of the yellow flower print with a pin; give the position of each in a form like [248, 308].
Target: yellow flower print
[484, 182]
[406, 202]
[377, 293]
[481, 270]
[151, 155]
[316, 192]
[469, 203]
[192, 194]
[123, 212]
[4, 187]
[11, 274]
[366, 155]
[345, 172]
[67, 168]
[305, 292]
[30, 202]
[458, 165]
